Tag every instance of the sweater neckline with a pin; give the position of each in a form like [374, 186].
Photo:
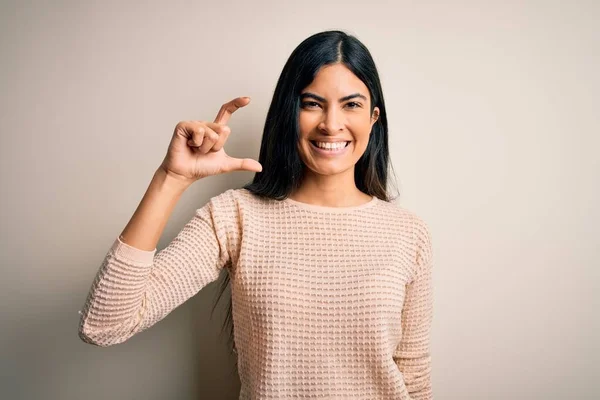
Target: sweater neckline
[330, 209]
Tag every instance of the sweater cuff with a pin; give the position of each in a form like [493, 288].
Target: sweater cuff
[122, 250]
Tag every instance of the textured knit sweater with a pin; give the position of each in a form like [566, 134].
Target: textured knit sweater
[328, 302]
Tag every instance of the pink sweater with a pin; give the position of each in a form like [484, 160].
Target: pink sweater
[331, 303]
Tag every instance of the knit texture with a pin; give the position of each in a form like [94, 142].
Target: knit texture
[328, 302]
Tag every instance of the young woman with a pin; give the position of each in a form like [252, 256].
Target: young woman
[331, 283]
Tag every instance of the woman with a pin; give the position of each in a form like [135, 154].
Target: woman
[330, 281]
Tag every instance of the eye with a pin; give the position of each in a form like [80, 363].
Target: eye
[310, 104]
[353, 104]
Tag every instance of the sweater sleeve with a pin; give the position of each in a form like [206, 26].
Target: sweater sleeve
[413, 355]
[134, 288]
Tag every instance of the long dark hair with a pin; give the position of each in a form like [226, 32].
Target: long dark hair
[282, 167]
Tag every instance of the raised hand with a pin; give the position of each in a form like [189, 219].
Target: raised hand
[196, 148]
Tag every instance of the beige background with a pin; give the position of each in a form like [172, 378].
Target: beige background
[494, 131]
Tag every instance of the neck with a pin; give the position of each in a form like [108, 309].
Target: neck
[330, 190]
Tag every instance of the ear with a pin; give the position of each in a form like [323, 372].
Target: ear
[374, 116]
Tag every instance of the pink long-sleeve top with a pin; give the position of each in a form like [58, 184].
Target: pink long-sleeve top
[328, 302]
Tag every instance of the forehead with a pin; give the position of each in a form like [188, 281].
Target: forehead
[336, 80]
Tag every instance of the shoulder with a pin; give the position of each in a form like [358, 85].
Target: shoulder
[423, 250]
[420, 228]
[406, 217]
[412, 225]
[240, 197]
[234, 201]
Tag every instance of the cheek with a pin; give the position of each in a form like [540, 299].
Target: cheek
[303, 148]
[306, 123]
[361, 128]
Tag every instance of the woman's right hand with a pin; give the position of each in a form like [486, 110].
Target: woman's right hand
[196, 148]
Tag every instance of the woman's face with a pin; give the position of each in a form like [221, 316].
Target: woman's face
[335, 121]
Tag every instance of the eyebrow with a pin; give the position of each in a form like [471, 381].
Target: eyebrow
[322, 100]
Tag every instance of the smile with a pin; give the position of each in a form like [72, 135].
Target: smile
[328, 148]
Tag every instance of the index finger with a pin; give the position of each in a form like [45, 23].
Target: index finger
[229, 108]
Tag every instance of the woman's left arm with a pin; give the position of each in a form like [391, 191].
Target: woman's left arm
[413, 355]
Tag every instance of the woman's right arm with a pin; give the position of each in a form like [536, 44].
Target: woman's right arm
[135, 286]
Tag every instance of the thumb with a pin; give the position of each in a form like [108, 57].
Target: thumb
[242, 164]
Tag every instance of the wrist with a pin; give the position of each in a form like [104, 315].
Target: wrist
[171, 182]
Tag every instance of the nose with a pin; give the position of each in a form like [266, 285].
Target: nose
[333, 121]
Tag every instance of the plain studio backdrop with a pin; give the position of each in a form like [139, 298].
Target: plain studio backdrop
[494, 130]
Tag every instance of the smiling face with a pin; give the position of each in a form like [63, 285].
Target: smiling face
[335, 121]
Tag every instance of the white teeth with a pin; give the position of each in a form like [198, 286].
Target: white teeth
[331, 146]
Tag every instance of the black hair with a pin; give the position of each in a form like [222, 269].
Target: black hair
[282, 167]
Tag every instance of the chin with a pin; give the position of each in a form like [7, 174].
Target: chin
[329, 170]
